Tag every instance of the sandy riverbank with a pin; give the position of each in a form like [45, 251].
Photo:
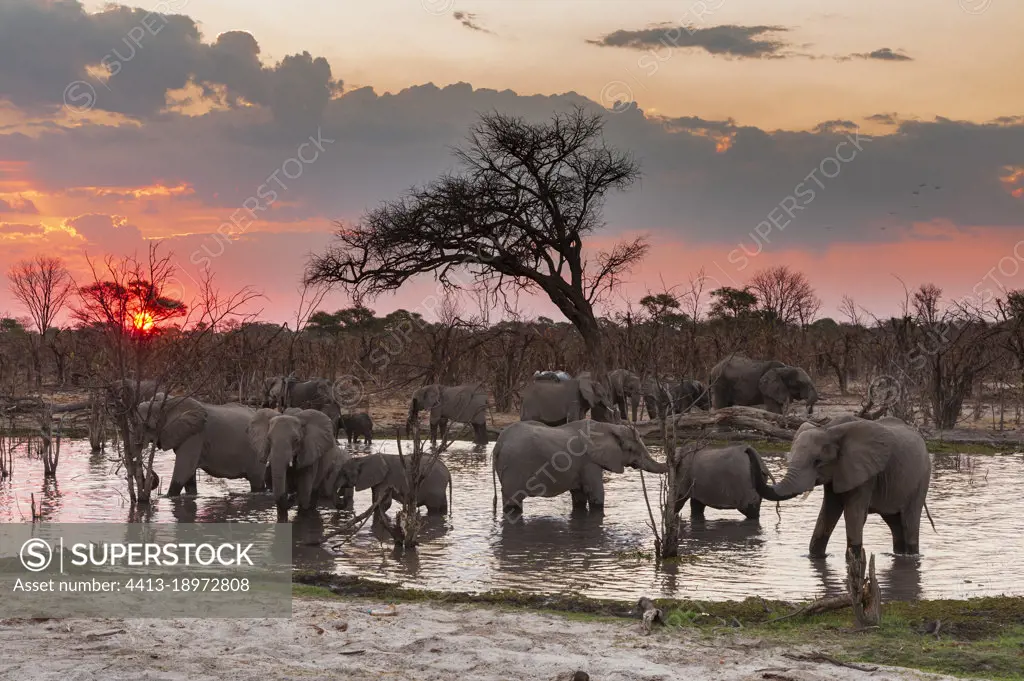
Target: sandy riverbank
[339, 639]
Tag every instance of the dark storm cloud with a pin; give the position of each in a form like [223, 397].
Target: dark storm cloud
[729, 40]
[884, 118]
[883, 54]
[835, 126]
[125, 60]
[704, 181]
[469, 20]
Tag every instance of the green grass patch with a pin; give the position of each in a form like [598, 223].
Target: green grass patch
[945, 447]
[981, 637]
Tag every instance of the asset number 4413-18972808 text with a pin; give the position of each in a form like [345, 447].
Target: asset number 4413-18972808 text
[184, 584]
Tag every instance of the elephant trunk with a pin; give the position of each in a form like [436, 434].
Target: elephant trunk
[787, 489]
[812, 399]
[648, 465]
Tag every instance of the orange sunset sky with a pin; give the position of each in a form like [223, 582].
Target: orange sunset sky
[852, 139]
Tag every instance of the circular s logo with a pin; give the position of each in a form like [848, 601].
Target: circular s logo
[975, 6]
[348, 391]
[79, 97]
[617, 96]
[36, 555]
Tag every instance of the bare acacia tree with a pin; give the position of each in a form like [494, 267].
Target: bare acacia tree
[786, 294]
[43, 285]
[513, 219]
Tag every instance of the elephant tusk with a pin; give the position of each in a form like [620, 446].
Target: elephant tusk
[803, 497]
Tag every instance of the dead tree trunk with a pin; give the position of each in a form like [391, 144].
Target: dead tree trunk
[865, 595]
[97, 421]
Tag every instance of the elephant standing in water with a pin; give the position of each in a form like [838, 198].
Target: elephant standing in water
[462, 403]
[625, 387]
[535, 460]
[559, 402]
[720, 478]
[382, 471]
[741, 381]
[203, 436]
[674, 397]
[299, 449]
[866, 467]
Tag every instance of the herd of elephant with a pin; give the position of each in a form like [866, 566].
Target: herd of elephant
[290, 445]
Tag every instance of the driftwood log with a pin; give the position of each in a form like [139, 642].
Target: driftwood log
[768, 424]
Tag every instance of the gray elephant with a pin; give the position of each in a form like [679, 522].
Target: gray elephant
[741, 381]
[274, 389]
[333, 412]
[674, 397]
[866, 467]
[203, 436]
[312, 394]
[625, 388]
[357, 425]
[298, 445]
[718, 477]
[555, 403]
[465, 403]
[532, 459]
[382, 471]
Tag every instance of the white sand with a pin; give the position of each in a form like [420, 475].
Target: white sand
[421, 642]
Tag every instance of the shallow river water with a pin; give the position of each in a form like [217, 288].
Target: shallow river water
[976, 503]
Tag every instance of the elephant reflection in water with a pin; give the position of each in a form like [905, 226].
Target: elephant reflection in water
[900, 580]
[232, 508]
[309, 552]
[539, 545]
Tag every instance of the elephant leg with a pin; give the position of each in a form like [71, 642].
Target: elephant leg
[697, 509]
[579, 499]
[855, 511]
[680, 502]
[593, 486]
[753, 512]
[190, 486]
[442, 428]
[480, 429]
[433, 433]
[376, 494]
[895, 523]
[828, 516]
[186, 461]
[345, 500]
[912, 528]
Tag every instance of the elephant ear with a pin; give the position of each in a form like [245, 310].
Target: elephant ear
[317, 437]
[864, 448]
[773, 386]
[587, 389]
[181, 421]
[371, 470]
[257, 432]
[606, 448]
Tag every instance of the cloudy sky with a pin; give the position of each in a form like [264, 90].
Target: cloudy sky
[856, 140]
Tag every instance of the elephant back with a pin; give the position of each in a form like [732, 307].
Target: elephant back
[551, 401]
[721, 478]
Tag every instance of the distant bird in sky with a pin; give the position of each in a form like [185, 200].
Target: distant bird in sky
[923, 184]
[916, 192]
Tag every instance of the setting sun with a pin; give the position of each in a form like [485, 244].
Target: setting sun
[142, 321]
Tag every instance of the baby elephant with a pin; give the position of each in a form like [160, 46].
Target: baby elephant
[381, 471]
[719, 478]
[356, 426]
